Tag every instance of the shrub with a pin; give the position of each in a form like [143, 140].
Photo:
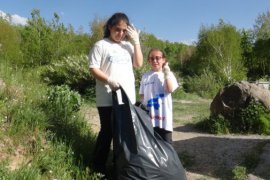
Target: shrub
[66, 123]
[265, 123]
[255, 118]
[205, 85]
[215, 124]
[252, 119]
[61, 107]
[239, 173]
[72, 71]
[9, 43]
[62, 101]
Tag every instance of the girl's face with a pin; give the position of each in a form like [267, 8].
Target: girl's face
[156, 60]
[118, 32]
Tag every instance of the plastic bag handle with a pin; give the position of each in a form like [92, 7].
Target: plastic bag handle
[125, 98]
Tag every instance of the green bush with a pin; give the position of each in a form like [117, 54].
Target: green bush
[72, 71]
[239, 173]
[60, 108]
[9, 43]
[66, 123]
[265, 123]
[215, 124]
[254, 119]
[205, 85]
[62, 102]
[45, 41]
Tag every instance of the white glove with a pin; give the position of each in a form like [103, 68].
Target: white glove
[134, 34]
[166, 70]
[114, 85]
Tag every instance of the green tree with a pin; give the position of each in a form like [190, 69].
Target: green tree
[65, 42]
[247, 46]
[97, 30]
[262, 26]
[150, 41]
[185, 56]
[58, 45]
[261, 46]
[35, 39]
[262, 58]
[219, 50]
[177, 53]
[46, 42]
[9, 42]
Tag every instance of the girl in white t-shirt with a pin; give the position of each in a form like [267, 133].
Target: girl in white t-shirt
[155, 90]
[112, 60]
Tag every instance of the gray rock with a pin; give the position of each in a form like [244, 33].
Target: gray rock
[238, 95]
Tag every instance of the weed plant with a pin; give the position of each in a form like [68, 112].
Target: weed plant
[239, 173]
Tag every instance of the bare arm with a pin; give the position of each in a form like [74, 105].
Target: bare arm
[98, 74]
[137, 56]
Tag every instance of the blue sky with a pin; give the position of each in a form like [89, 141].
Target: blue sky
[172, 20]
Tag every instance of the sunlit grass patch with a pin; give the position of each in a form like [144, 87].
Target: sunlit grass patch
[190, 110]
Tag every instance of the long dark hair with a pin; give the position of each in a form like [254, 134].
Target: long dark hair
[114, 20]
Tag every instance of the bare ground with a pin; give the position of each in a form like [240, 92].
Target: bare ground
[208, 156]
[214, 156]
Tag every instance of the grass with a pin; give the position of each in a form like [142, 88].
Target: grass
[37, 150]
[189, 108]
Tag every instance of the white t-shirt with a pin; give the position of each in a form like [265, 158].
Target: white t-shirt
[157, 100]
[115, 60]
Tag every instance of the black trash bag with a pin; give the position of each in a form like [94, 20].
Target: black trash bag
[139, 153]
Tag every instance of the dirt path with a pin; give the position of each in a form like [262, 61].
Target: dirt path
[208, 156]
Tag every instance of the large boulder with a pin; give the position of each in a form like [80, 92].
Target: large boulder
[238, 95]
